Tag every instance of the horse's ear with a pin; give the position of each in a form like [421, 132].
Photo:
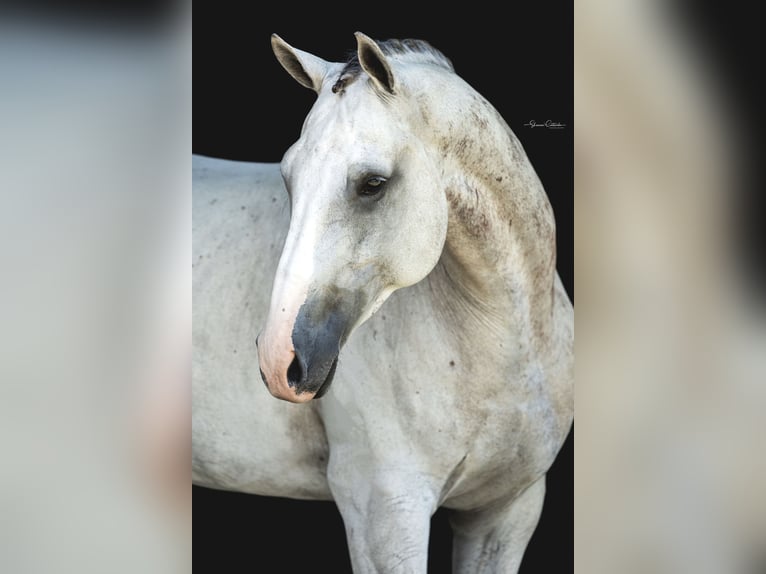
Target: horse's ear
[307, 69]
[374, 62]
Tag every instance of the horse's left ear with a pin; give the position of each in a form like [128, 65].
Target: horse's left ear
[307, 69]
[374, 62]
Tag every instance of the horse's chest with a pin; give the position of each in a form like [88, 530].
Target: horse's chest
[439, 408]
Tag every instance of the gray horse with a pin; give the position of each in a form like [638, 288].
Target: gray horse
[404, 254]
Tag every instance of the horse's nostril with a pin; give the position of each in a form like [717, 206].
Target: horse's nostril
[295, 372]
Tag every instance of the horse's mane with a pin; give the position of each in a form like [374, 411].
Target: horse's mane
[409, 50]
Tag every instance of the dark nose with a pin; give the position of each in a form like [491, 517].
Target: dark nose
[317, 339]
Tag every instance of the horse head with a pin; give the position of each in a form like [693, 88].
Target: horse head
[368, 214]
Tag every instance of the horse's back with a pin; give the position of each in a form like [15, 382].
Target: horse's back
[243, 438]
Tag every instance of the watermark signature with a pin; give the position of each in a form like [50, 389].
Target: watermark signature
[551, 125]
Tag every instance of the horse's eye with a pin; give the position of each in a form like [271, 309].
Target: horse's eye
[372, 186]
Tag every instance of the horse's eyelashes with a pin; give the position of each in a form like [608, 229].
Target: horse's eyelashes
[372, 186]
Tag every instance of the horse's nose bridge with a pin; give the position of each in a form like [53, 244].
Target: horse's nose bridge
[296, 260]
[289, 292]
[284, 363]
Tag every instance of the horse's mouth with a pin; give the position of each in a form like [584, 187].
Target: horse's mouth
[327, 381]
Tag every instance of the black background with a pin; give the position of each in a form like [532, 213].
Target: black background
[727, 39]
[247, 108]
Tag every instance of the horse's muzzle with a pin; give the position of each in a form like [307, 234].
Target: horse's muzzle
[318, 333]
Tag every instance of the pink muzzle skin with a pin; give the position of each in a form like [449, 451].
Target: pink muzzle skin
[276, 353]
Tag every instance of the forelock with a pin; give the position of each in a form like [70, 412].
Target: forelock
[408, 50]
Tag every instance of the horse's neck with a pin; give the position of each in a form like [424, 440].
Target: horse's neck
[500, 248]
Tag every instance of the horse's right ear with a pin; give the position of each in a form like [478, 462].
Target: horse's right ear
[307, 69]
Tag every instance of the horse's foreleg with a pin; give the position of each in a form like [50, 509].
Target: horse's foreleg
[387, 520]
[493, 540]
